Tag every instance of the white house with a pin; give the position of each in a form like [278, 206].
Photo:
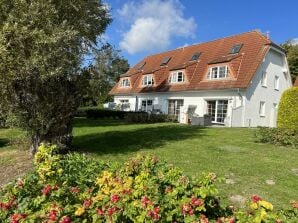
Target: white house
[237, 80]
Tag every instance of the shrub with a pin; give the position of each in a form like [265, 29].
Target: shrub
[278, 136]
[143, 117]
[104, 113]
[75, 188]
[288, 109]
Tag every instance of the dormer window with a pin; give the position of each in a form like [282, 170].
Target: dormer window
[177, 77]
[140, 67]
[218, 72]
[125, 82]
[147, 80]
[165, 61]
[195, 56]
[236, 48]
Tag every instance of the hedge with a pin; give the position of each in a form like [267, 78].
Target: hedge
[288, 109]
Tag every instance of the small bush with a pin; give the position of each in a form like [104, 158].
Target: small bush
[104, 113]
[278, 136]
[75, 188]
[288, 109]
[143, 117]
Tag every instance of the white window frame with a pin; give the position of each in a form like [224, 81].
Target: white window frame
[174, 77]
[147, 80]
[217, 112]
[262, 108]
[214, 72]
[125, 82]
[276, 82]
[264, 79]
[147, 107]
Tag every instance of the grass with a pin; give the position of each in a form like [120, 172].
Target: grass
[231, 153]
[14, 158]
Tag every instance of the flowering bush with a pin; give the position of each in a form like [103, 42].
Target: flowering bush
[75, 188]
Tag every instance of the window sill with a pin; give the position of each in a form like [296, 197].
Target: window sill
[276, 89]
[264, 86]
[262, 116]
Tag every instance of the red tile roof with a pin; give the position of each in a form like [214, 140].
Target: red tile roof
[242, 65]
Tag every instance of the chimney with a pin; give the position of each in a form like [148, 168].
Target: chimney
[268, 34]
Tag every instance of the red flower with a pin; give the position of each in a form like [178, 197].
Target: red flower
[15, 218]
[255, 198]
[74, 190]
[53, 215]
[87, 203]
[115, 198]
[146, 201]
[156, 209]
[195, 202]
[46, 190]
[66, 219]
[111, 211]
[100, 211]
[187, 209]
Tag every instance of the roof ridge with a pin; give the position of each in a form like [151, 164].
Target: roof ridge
[210, 41]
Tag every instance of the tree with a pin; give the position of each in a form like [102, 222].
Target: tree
[109, 65]
[292, 55]
[42, 46]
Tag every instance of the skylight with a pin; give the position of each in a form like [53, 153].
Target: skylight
[195, 56]
[165, 61]
[236, 48]
[141, 65]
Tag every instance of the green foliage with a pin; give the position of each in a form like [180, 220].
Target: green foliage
[109, 65]
[278, 136]
[143, 117]
[74, 188]
[292, 56]
[95, 113]
[42, 46]
[288, 109]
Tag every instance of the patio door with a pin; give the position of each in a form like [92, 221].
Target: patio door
[217, 109]
[174, 107]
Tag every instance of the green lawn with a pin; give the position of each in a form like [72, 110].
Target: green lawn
[229, 152]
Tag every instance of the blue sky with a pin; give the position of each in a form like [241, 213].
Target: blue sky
[144, 27]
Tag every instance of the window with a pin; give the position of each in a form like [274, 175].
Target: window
[264, 79]
[147, 80]
[195, 56]
[165, 61]
[176, 77]
[217, 109]
[124, 101]
[262, 108]
[219, 72]
[140, 67]
[236, 48]
[174, 107]
[147, 105]
[276, 82]
[125, 82]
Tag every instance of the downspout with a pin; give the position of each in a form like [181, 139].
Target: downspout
[136, 104]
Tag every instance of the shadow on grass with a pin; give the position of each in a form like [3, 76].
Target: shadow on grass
[84, 122]
[149, 137]
[3, 142]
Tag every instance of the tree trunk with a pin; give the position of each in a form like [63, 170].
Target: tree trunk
[35, 141]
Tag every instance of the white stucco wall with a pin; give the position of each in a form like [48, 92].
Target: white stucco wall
[198, 98]
[274, 64]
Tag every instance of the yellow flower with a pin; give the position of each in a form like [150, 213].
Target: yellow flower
[266, 205]
[263, 214]
[79, 211]
[60, 171]
[254, 206]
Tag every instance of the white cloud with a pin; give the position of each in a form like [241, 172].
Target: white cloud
[294, 41]
[153, 24]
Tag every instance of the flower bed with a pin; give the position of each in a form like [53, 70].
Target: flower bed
[75, 188]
